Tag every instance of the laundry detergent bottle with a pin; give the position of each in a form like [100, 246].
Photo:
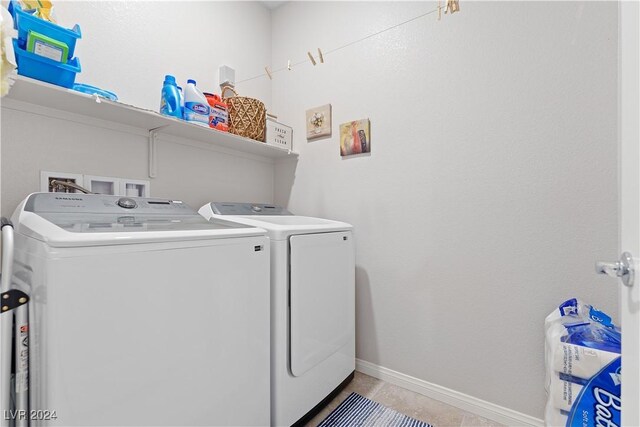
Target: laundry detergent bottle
[170, 98]
[196, 107]
[181, 93]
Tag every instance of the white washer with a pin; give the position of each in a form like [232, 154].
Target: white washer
[312, 305]
[143, 313]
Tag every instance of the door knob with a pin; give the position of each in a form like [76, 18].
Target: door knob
[622, 269]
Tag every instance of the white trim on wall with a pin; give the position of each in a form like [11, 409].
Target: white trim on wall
[463, 401]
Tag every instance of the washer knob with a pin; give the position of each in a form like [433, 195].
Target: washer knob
[256, 208]
[127, 203]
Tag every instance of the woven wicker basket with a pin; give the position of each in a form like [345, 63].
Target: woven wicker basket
[247, 116]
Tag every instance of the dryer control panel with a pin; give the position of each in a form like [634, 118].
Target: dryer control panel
[225, 208]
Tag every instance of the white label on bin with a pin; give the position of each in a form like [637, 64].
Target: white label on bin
[48, 51]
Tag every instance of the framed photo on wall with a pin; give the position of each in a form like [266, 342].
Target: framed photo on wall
[355, 137]
[319, 122]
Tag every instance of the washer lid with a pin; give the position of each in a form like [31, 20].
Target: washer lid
[71, 219]
[279, 227]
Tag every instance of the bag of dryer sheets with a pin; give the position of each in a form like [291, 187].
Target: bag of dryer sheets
[582, 357]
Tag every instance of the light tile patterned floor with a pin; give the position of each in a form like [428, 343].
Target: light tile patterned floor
[407, 402]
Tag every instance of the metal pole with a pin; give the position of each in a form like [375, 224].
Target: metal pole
[6, 322]
[22, 365]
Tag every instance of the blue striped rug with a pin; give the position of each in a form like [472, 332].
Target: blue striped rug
[360, 411]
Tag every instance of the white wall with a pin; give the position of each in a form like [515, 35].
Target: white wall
[186, 170]
[491, 188]
[128, 47]
[490, 191]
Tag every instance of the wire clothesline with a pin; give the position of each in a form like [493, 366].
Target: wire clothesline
[290, 65]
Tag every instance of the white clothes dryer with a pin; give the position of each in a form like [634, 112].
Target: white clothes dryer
[312, 306]
[143, 313]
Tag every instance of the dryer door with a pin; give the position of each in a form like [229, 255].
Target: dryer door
[322, 297]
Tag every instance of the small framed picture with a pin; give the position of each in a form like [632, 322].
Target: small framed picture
[355, 137]
[319, 122]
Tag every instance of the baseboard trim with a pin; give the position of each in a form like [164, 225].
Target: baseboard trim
[463, 401]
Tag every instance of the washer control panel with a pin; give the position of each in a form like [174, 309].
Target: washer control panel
[104, 204]
[224, 208]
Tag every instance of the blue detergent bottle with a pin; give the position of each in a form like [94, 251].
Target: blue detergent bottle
[181, 93]
[170, 98]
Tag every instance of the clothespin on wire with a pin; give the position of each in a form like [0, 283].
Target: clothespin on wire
[452, 6]
[268, 73]
[321, 56]
[439, 10]
[313, 60]
[289, 65]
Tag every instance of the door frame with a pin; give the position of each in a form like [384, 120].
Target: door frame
[629, 196]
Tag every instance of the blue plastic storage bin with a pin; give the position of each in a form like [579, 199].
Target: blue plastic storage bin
[41, 68]
[92, 90]
[24, 21]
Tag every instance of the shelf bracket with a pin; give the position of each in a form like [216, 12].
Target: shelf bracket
[153, 164]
